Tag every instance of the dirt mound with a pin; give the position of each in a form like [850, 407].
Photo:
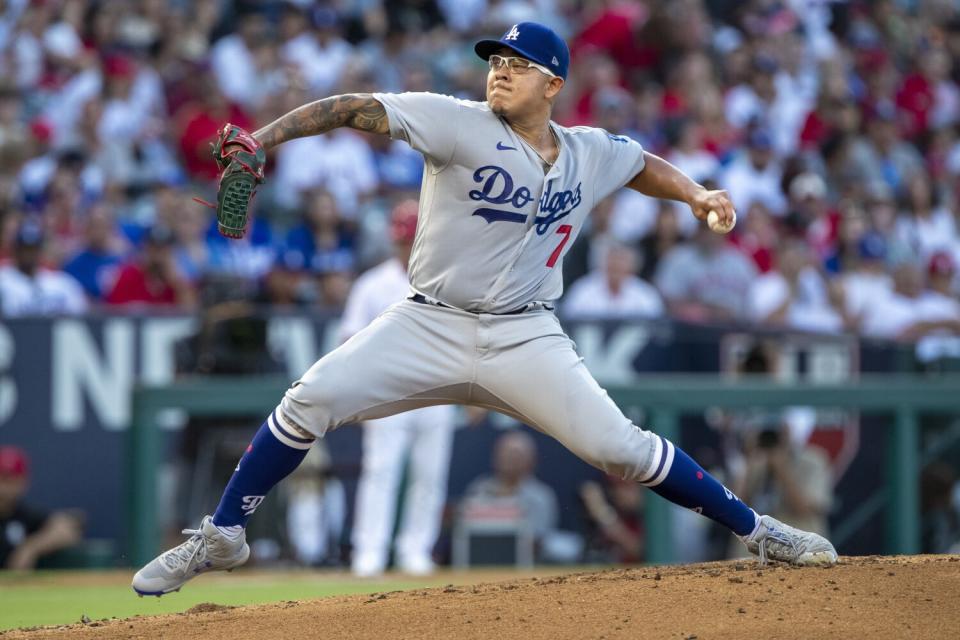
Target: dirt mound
[875, 597]
[207, 607]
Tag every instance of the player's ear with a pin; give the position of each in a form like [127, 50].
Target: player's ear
[553, 88]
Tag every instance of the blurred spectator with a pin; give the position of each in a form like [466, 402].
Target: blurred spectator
[615, 528]
[846, 252]
[882, 155]
[199, 120]
[152, 278]
[590, 248]
[27, 533]
[312, 42]
[132, 99]
[768, 455]
[688, 153]
[752, 100]
[241, 62]
[809, 215]
[941, 280]
[928, 95]
[899, 316]
[95, 266]
[514, 460]
[613, 110]
[866, 279]
[323, 241]
[926, 226]
[939, 303]
[249, 257]
[706, 280]
[633, 216]
[794, 295]
[189, 223]
[755, 175]
[28, 289]
[13, 130]
[399, 167]
[784, 476]
[757, 237]
[339, 162]
[881, 208]
[613, 291]
[61, 204]
[665, 235]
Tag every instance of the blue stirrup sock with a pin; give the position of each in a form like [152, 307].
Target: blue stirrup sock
[682, 481]
[276, 450]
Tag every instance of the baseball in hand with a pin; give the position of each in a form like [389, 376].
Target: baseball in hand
[717, 226]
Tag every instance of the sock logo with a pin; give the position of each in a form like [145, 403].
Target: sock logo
[250, 504]
[729, 493]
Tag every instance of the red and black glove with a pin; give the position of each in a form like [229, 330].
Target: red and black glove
[242, 161]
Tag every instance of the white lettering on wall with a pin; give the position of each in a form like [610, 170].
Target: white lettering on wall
[611, 361]
[293, 341]
[158, 338]
[81, 370]
[8, 385]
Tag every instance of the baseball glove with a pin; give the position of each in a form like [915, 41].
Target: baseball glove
[242, 161]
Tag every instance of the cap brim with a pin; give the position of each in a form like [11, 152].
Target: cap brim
[486, 48]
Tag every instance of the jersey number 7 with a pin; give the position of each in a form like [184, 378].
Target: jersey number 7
[564, 229]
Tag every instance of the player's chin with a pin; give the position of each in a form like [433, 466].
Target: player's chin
[497, 104]
[500, 107]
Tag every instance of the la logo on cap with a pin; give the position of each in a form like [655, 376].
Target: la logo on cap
[555, 61]
[514, 33]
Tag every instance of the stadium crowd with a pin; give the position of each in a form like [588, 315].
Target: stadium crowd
[832, 123]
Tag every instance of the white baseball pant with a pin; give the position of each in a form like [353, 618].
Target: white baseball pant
[425, 436]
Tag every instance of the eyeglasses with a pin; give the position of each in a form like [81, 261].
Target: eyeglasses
[518, 65]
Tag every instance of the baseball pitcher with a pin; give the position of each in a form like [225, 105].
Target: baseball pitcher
[505, 191]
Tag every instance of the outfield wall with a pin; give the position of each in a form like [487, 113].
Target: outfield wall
[65, 390]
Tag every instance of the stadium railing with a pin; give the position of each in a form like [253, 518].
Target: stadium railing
[663, 399]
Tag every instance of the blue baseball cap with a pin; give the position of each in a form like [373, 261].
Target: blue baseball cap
[872, 246]
[30, 234]
[534, 42]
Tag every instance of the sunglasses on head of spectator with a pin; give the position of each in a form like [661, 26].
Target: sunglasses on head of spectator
[518, 65]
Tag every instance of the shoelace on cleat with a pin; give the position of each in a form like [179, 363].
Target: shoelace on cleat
[182, 555]
[775, 536]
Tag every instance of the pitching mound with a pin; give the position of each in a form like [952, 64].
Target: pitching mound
[869, 597]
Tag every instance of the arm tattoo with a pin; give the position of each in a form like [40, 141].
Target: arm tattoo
[357, 111]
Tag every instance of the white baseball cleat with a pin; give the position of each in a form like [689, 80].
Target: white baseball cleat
[207, 549]
[368, 565]
[774, 540]
[418, 565]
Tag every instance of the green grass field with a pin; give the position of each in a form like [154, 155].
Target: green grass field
[50, 598]
[62, 597]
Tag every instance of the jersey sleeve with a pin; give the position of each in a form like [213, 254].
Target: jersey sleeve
[428, 122]
[617, 160]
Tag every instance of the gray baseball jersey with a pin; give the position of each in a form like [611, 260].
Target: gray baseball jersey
[493, 227]
[491, 236]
